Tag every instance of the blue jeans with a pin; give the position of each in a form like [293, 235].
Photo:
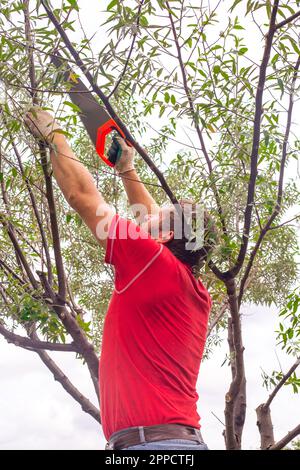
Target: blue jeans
[169, 444]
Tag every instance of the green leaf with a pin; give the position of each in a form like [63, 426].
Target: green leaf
[63, 132]
[74, 4]
[224, 74]
[267, 138]
[144, 21]
[216, 47]
[8, 182]
[112, 4]
[295, 47]
[189, 41]
[234, 5]
[249, 6]
[243, 50]
[269, 8]
[162, 110]
[73, 106]
[281, 86]
[275, 59]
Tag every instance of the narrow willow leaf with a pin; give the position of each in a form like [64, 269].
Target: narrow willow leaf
[111, 5]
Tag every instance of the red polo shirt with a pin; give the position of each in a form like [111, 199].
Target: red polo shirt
[154, 334]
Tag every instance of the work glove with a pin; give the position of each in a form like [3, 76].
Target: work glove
[121, 155]
[41, 124]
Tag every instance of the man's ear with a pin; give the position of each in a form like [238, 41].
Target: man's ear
[165, 237]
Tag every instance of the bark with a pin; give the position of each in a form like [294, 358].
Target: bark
[263, 412]
[235, 398]
[265, 426]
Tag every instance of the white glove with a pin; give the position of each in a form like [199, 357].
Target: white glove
[41, 124]
[125, 156]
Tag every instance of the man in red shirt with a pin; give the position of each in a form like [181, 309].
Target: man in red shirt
[155, 328]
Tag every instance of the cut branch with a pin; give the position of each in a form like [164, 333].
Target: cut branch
[264, 419]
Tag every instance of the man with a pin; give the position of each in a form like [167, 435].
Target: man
[155, 327]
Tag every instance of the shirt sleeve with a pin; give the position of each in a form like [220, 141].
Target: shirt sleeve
[129, 249]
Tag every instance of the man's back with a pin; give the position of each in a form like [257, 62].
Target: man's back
[154, 334]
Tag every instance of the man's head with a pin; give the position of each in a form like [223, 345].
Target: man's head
[190, 242]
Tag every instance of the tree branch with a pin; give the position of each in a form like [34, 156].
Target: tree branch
[33, 202]
[33, 345]
[282, 382]
[255, 143]
[285, 223]
[5, 267]
[70, 323]
[59, 376]
[43, 154]
[194, 117]
[218, 317]
[288, 20]
[286, 439]
[11, 233]
[277, 209]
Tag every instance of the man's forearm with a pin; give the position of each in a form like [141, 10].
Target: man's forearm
[72, 177]
[137, 192]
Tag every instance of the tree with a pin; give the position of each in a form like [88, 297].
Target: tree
[169, 61]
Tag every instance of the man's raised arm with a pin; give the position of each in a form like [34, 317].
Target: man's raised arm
[136, 191]
[73, 178]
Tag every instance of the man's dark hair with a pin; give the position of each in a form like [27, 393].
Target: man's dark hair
[195, 259]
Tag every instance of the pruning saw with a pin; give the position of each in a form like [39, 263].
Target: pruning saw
[96, 120]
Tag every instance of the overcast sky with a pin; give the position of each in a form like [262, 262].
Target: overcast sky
[36, 413]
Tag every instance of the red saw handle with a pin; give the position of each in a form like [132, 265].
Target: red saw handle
[102, 132]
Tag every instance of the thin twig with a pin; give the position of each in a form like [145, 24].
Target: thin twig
[130, 50]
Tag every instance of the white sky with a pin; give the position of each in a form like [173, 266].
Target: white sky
[36, 413]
